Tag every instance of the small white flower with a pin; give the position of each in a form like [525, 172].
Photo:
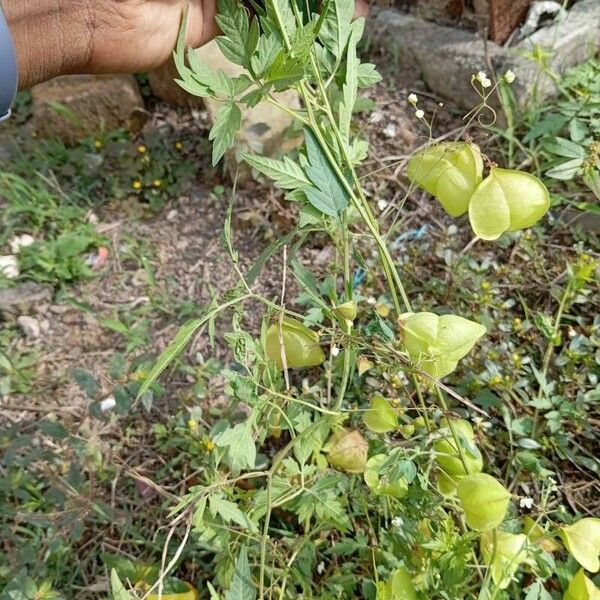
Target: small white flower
[419, 114]
[413, 99]
[397, 522]
[108, 403]
[382, 204]
[335, 351]
[20, 241]
[9, 266]
[483, 79]
[509, 76]
[526, 503]
[321, 568]
[371, 301]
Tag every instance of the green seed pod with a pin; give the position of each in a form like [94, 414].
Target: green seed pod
[396, 489]
[300, 343]
[347, 310]
[450, 171]
[582, 540]
[581, 588]
[436, 344]
[507, 200]
[348, 451]
[447, 455]
[401, 586]
[510, 552]
[447, 484]
[380, 417]
[484, 500]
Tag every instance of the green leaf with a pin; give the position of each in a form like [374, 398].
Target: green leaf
[242, 587]
[87, 382]
[367, 75]
[233, 21]
[267, 49]
[284, 9]
[228, 121]
[349, 89]
[563, 147]
[285, 173]
[567, 170]
[335, 29]
[241, 449]
[118, 589]
[330, 197]
[230, 513]
[484, 500]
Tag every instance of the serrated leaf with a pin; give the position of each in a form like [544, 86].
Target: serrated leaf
[335, 29]
[241, 449]
[267, 49]
[285, 173]
[228, 121]
[230, 513]
[329, 197]
[242, 587]
[233, 21]
[284, 9]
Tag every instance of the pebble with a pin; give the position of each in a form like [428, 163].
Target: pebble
[172, 215]
[20, 241]
[9, 266]
[390, 130]
[30, 326]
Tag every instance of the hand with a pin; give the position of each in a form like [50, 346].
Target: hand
[58, 37]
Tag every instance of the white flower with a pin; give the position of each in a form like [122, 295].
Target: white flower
[526, 503]
[371, 301]
[419, 114]
[9, 267]
[397, 522]
[334, 351]
[382, 204]
[20, 241]
[413, 99]
[509, 76]
[321, 568]
[483, 79]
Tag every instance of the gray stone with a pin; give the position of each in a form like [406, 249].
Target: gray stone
[75, 106]
[446, 57]
[22, 297]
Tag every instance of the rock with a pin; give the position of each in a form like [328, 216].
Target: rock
[9, 266]
[264, 127]
[75, 106]
[20, 241]
[505, 16]
[163, 86]
[22, 297]
[30, 326]
[447, 57]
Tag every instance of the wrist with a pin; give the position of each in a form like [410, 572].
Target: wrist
[51, 37]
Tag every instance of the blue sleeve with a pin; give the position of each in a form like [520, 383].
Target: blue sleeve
[8, 69]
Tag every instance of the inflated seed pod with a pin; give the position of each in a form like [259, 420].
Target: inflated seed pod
[435, 343]
[484, 500]
[581, 588]
[582, 540]
[510, 551]
[447, 455]
[348, 451]
[397, 489]
[507, 200]
[450, 171]
[301, 344]
[347, 310]
[380, 417]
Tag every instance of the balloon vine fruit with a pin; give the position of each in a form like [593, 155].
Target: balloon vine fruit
[301, 344]
[450, 171]
[436, 344]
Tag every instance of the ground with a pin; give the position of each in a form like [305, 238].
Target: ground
[86, 481]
